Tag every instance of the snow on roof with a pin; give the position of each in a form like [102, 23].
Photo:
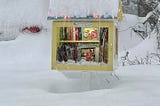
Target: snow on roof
[83, 8]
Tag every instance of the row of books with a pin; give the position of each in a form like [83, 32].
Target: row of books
[78, 33]
[68, 33]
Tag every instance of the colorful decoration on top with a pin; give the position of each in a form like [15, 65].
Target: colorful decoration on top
[50, 17]
[84, 9]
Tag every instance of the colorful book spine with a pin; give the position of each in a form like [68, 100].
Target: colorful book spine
[76, 34]
[80, 33]
[67, 33]
[70, 33]
[61, 33]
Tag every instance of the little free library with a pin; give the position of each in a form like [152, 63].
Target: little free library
[85, 37]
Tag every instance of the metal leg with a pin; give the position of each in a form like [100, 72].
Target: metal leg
[114, 75]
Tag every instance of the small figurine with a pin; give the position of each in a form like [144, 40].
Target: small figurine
[89, 55]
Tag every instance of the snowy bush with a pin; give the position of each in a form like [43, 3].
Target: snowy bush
[150, 58]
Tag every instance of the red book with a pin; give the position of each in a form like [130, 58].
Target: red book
[76, 33]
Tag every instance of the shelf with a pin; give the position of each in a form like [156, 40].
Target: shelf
[77, 41]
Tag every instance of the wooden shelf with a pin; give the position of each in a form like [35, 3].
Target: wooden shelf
[77, 41]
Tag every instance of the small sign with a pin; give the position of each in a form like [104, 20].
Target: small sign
[82, 24]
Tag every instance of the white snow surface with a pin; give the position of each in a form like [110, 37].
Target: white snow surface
[17, 12]
[26, 78]
[126, 35]
[82, 8]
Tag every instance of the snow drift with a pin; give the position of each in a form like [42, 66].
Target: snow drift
[17, 14]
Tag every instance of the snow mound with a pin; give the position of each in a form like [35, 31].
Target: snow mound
[23, 11]
[127, 38]
[144, 53]
[149, 45]
[19, 13]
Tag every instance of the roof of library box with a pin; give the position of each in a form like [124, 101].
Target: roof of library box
[83, 9]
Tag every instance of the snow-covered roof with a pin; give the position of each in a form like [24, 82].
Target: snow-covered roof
[83, 8]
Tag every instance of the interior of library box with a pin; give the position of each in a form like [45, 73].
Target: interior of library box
[84, 44]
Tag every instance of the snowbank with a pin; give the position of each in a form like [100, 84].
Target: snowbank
[127, 38]
[28, 51]
[17, 12]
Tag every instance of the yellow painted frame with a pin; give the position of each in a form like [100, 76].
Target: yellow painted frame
[95, 23]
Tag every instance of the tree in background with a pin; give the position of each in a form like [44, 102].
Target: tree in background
[146, 6]
[130, 7]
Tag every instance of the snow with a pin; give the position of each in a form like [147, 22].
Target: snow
[19, 12]
[126, 32]
[150, 47]
[36, 88]
[20, 52]
[27, 80]
[83, 8]
[16, 14]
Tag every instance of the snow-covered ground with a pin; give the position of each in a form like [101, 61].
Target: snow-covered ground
[27, 80]
[138, 85]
